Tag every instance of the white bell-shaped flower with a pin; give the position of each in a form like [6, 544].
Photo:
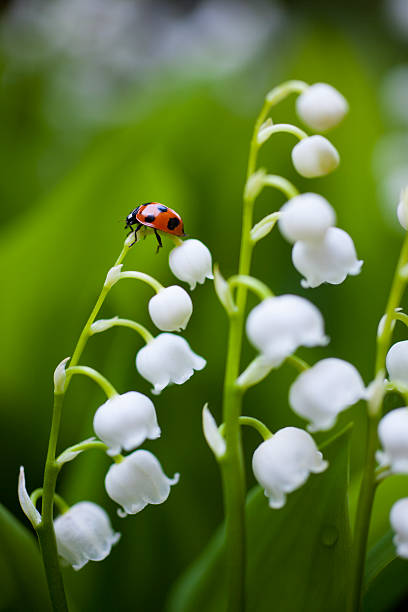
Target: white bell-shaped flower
[397, 363]
[393, 435]
[279, 325]
[399, 523]
[137, 481]
[125, 421]
[191, 262]
[306, 217]
[327, 261]
[283, 463]
[315, 156]
[83, 534]
[167, 359]
[320, 393]
[321, 107]
[171, 308]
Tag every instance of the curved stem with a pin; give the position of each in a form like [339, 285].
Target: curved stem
[45, 530]
[117, 321]
[255, 285]
[58, 500]
[256, 424]
[145, 278]
[368, 483]
[103, 382]
[300, 364]
[266, 132]
[282, 184]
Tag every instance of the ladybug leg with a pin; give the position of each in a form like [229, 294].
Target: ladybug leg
[136, 230]
[158, 240]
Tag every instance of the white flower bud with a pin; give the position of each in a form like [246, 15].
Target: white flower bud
[171, 308]
[257, 370]
[137, 481]
[26, 504]
[167, 359]
[402, 210]
[211, 433]
[113, 276]
[306, 217]
[191, 262]
[321, 107]
[328, 261]
[60, 376]
[393, 435]
[283, 463]
[279, 325]
[315, 156]
[83, 534]
[320, 393]
[126, 421]
[397, 363]
[399, 523]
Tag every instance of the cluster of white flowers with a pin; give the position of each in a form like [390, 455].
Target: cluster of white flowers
[321, 252]
[125, 422]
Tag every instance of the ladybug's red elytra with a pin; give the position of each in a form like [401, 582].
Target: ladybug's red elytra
[158, 217]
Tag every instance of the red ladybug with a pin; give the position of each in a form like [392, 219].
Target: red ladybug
[157, 216]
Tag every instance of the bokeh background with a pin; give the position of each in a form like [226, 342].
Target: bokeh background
[107, 104]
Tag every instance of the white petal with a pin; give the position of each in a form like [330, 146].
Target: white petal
[191, 262]
[282, 463]
[279, 325]
[171, 308]
[137, 481]
[84, 534]
[397, 363]
[26, 504]
[320, 393]
[113, 275]
[126, 421]
[167, 359]
[328, 261]
[321, 107]
[306, 217]
[315, 156]
[211, 433]
[399, 523]
[393, 435]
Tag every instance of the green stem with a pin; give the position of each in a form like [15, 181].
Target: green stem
[232, 466]
[255, 285]
[137, 327]
[282, 184]
[145, 278]
[368, 483]
[279, 128]
[256, 424]
[58, 500]
[45, 530]
[103, 382]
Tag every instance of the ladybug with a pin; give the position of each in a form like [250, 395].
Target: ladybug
[158, 217]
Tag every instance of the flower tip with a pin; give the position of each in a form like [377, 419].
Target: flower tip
[60, 376]
[212, 434]
[26, 504]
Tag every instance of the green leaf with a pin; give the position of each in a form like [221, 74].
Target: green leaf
[378, 557]
[22, 580]
[298, 556]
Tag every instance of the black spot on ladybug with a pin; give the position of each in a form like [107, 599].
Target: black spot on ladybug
[149, 219]
[162, 208]
[173, 223]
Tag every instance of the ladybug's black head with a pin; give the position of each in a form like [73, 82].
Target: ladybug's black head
[131, 218]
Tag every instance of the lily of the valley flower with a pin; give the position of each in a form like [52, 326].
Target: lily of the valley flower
[306, 217]
[393, 434]
[83, 534]
[283, 463]
[321, 107]
[167, 359]
[138, 480]
[191, 262]
[315, 156]
[320, 393]
[125, 421]
[279, 325]
[171, 308]
[327, 261]
[397, 363]
[399, 523]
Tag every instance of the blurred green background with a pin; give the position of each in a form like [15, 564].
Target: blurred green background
[105, 105]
